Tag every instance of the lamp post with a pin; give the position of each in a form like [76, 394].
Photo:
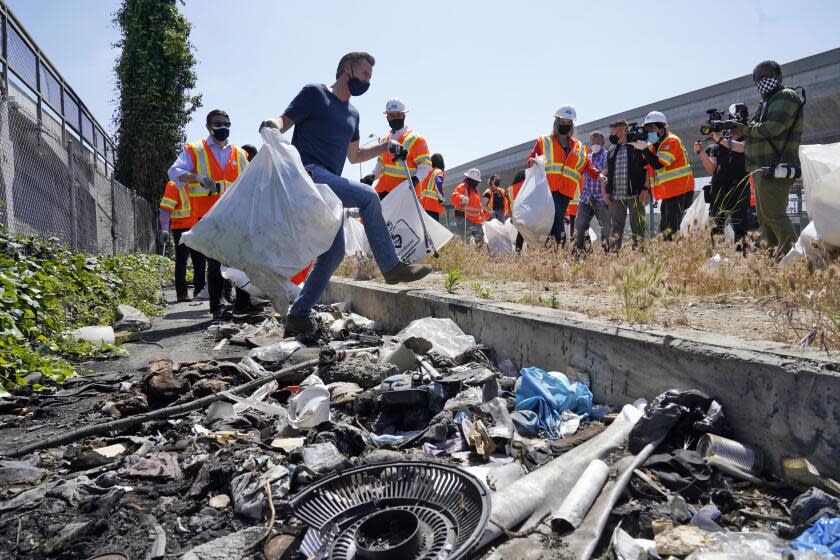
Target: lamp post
[371, 138]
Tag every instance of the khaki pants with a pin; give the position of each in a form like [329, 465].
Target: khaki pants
[771, 204]
[618, 216]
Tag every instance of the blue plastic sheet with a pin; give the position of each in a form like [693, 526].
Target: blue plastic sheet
[548, 395]
[823, 536]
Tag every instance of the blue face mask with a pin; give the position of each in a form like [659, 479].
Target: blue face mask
[653, 137]
[357, 87]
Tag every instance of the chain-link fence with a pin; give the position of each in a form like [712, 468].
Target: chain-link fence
[56, 190]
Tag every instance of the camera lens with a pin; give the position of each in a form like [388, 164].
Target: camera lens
[705, 129]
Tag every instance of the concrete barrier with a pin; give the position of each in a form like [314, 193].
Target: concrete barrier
[778, 398]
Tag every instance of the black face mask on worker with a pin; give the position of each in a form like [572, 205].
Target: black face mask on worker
[221, 134]
[564, 129]
[613, 139]
[396, 124]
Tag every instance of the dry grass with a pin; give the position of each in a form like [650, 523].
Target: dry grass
[802, 300]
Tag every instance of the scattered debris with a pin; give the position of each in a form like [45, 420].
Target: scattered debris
[352, 443]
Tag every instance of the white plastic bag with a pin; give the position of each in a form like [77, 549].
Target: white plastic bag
[808, 245]
[696, 217]
[821, 182]
[446, 337]
[241, 281]
[497, 237]
[533, 209]
[403, 220]
[355, 240]
[272, 222]
[511, 230]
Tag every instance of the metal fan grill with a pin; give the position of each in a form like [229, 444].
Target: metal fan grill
[406, 510]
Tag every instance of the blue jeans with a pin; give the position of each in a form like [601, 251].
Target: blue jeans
[352, 194]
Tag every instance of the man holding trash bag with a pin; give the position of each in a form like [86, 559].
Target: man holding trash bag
[326, 133]
[470, 209]
[566, 160]
[206, 169]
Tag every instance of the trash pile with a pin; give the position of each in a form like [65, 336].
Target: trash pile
[422, 444]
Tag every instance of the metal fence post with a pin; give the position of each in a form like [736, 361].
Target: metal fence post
[113, 215]
[134, 219]
[74, 211]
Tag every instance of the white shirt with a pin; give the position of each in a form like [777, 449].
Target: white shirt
[422, 170]
[184, 163]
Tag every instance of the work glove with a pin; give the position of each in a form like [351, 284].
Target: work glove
[368, 179]
[397, 150]
[164, 236]
[639, 144]
[271, 123]
[207, 183]
[415, 180]
[465, 200]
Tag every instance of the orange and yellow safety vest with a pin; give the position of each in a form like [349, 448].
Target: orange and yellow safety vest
[392, 172]
[430, 198]
[177, 201]
[204, 163]
[563, 169]
[676, 177]
[488, 193]
[472, 211]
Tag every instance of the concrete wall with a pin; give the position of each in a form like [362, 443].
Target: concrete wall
[818, 74]
[777, 398]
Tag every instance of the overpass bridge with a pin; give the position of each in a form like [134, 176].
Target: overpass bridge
[818, 74]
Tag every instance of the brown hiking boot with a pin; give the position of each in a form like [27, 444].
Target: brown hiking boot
[406, 273]
[299, 325]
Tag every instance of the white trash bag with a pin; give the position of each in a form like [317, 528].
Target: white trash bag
[403, 220]
[355, 239]
[533, 209]
[446, 336]
[696, 217]
[808, 245]
[821, 183]
[497, 237]
[272, 222]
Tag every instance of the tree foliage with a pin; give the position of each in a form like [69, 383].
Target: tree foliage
[155, 76]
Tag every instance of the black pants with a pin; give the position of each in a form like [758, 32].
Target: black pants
[558, 229]
[733, 205]
[519, 242]
[435, 215]
[383, 194]
[673, 209]
[182, 253]
[215, 283]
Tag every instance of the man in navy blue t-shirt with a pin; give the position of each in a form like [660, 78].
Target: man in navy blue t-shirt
[326, 132]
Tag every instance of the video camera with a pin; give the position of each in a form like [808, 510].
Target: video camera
[719, 121]
[636, 132]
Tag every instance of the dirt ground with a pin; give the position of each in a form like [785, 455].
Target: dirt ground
[736, 315]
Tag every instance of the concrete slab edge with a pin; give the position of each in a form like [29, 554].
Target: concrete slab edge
[777, 397]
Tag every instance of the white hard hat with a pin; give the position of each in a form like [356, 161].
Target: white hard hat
[395, 105]
[566, 112]
[473, 174]
[655, 117]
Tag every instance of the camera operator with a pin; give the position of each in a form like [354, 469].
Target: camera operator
[772, 139]
[729, 193]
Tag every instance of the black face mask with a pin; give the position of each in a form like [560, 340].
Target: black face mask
[356, 86]
[613, 139]
[221, 134]
[396, 124]
[564, 129]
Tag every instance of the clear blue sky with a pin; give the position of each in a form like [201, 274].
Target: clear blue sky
[477, 75]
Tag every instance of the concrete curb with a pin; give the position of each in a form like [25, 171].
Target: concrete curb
[776, 397]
